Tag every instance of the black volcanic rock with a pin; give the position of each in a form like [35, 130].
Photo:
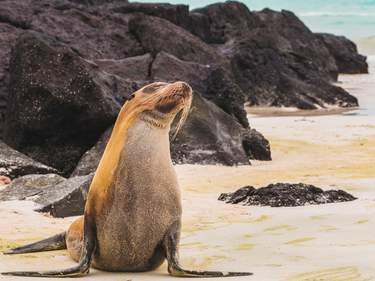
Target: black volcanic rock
[156, 35]
[29, 186]
[134, 68]
[90, 160]
[97, 2]
[345, 52]
[65, 199]
[177, 14]
[225, 93]
[8, 35]
[58, 105]
[94, 32]
[276, 59]
[14, 164]
[271, 73]
[297, 41]
[285, 195]
[217, 23]
[212, 136]
[54, 194]
[256, 146]
[212, 81]
[166, 67]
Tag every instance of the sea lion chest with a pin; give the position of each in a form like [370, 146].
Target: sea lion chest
[143, 201]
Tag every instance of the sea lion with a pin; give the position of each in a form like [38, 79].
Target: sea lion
[132, 216]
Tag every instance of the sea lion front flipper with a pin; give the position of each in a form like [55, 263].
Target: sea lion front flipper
[170, 243]
[89, 245]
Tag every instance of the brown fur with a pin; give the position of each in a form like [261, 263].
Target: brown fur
[134, 196]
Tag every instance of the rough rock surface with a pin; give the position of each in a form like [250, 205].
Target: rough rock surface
[14, 164]
[8, 35]
[285, 195]
[274, 66]
[211, 136]
[345, 53]
[172, 39]
[57, 105]
[29, 186]
[54, 194]
[90, 160]
[211, 81]
[67, 198]
[177, 14]
[133, 68]
[220, 22]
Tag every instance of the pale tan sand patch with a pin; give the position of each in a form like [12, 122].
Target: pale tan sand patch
[299, 241]
[362, 221]
[350, 273]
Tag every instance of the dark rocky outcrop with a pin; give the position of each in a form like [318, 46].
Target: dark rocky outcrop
[272, 77]
[274, 66]
[157, 34]
[212, 136]
[8, 35]
[276, 59]
[57, 105]
[345, 53]
[29, 186]
[14, 164]
[220, 22]
[213, 82]
[54, 194]
[285, 195]
[104, 50]
[256, 146]
[65, 199]
[177, 14]
[133, 68]
[90, 160]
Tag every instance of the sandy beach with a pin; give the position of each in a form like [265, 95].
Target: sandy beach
[332, 242]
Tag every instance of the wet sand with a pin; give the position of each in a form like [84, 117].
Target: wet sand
[332, 242]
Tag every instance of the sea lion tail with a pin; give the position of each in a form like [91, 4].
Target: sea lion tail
[56, 242]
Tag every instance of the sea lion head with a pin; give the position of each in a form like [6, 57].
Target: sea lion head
[159, 103]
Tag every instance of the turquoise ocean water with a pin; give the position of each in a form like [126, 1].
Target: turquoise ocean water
[354, 19]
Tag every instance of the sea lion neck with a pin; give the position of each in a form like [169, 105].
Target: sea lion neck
[156, 119]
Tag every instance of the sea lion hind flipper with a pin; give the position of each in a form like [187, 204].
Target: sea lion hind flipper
[171, 249]
[89, 246]
[71, 272]
[56, 242]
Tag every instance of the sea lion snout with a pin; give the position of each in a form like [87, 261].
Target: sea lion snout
[174, 97]
[181, 88]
